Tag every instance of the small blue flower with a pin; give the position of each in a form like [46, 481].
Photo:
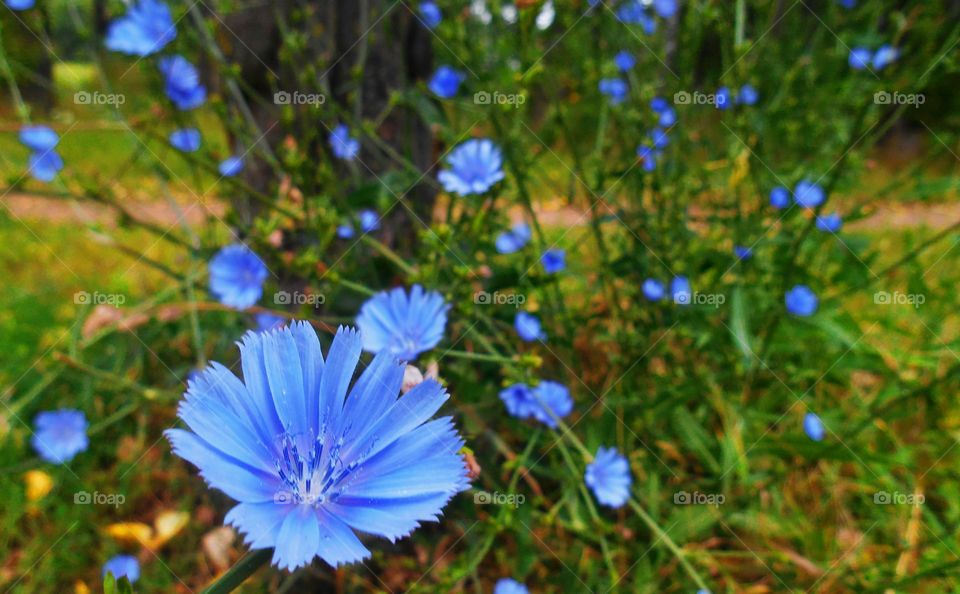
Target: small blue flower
[20, 4]
[633, 12]
[748, 95]
[182, 82]
[668, 117]
[45, 166]
[648, 156]
[830, 223]
[658, 138]
[430, 13]
[402, 324]
[848, 3]
[654, 289]
[614, 88]
[813, 427]
[147, 27]
[474, 167]
[722, 98]
[59, 435]
[445, 82]
[884, 56]
[342, 144]
[523, 402]
[186, 140]
[369, 220]
[39, 138]
[231, 166]
[665, 8]
[310, 459]
[509, 586]
[808, 194]
[779, 197]
[237, 275]
[860, 58]
[528, 327]
[608, 476]
[513, 240]
[553, 260]
[660, 105]
[801, 301]
[680, 290]
[268, 321]
[345, 231]
[624, 61]
[742, 253]
[123, 566]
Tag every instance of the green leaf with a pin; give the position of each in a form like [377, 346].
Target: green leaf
[740, 328]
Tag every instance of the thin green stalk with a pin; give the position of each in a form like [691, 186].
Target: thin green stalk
[237, 574]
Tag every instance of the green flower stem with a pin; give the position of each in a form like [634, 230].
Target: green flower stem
[236, 575]
[389, 254]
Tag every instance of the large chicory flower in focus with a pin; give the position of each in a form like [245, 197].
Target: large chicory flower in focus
[147, 27]
[509, 586]
[237, 275]
[513, 240]
[608, 476]
[123, 566]
[60, 435]
[182, 82]
[801, 301]
[524, 402]
[342, 144]
[445, 82]
[402, 324]
[311, 460]
[39, 138]
[474, 167]
[528, 327]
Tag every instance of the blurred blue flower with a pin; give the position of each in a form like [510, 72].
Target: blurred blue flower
[680, 290]
[633, 12]
[123, 566]
[45, 166]
[310, 464]
[369, 220]
[59, 435]
[813, 427]
[186, 140]
[668, 117]
[430, 13]
[528, 327]
[445, 82]
[509, 586]
[231, 166]
[665, 8]
[658, 138]
[801, 301]
[830, 223]
[401, 324]
[653, 289]
[513, 240]
[342, 144]
[748, 95]
[345, 231]
[523, 402]
[182, 82]
[39, 138]
[659, 105]
[237, 275]
[808, 194]
[624, 60]
[648, 156]
[722, 98]
[848, 3]
[860, 58]
[475, 166]
[779, 197]
[614, 88]
[145, 29]
[885, 56]
[608, 476]
[741, 252]
[553, 260]
[268, 321]
[20, 4]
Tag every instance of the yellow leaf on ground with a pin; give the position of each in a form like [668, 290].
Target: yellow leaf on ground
[38, 483]
[131, 532]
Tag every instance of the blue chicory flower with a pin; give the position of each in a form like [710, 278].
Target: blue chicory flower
[848, 3]
[614, 88]
[633, 12]
[801, 301]
[884, 56]
[658, 138]
[665, 8]
[722, 98]
[45, 166]
[186, 140]
[345, 231]
[830, 223]
[513, 240]
[653, 289]
[509, 586]
[268, 321]
[182, 82]
[648, 156]
[808, 194]
[742, 252]
[342, 144]
[553, 260]
[237, 275]
[39, 138]
[779, 197]
[445, 82]
[680, 290]
[474, 167]
[231, 166]
[430, 13]
[608, 476]
[369, 220]
[524, 402]
[123, 566]
[20, 4]
[146, 29]
[311, 460]
[860, 58]
[748, 95]
[403, 324]
[624, 61]
[813, 427]
[59, 435]
[528, 327]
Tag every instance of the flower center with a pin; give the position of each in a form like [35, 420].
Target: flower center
[310, 475]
